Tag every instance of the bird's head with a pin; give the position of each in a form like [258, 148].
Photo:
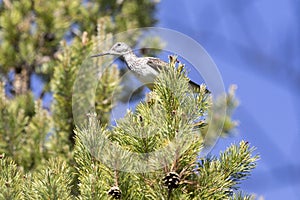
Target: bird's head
[118, 49]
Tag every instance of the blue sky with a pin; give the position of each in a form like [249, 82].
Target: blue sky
[256, 45]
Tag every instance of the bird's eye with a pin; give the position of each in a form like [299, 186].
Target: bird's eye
[118, 44]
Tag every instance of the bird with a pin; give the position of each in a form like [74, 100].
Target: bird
[146, 69]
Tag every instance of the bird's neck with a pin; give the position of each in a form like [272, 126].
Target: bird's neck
[130, 58]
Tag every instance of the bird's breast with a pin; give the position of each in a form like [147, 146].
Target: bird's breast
[143, 72]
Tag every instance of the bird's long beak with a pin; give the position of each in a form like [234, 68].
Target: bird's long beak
[100, 54]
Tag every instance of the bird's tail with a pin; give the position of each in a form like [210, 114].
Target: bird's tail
[196, 87]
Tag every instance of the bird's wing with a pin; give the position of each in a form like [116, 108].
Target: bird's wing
[156, 63]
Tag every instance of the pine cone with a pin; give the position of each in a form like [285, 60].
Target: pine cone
[115, 192]
[171, 180]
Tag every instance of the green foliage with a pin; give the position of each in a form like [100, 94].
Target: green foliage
[168, 115]
[219, 117]
[23, 130]
[52, 181]
[164, 118]
[131, 10]
[32, 37]
[35, 145]
[241, 196]
[218, 177]
[104, 159]
[106, 93]
[69, 68]
[10, 179]
[108, 86]
[31, 31]
[62, 84]
[94, 177]
[13, 121]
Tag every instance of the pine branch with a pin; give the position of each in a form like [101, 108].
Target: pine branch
[62, 85]
[237, 161]
[95, 178]
[219, 117]
[108, 86]
[241, 196]
[13, 121]
[35, 150]
[10, 179]
[53, 181]
[218, 178]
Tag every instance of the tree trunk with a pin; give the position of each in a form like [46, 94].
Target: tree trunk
[21, 83]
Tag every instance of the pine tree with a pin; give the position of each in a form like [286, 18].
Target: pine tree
[151, 153]
[177, 173]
